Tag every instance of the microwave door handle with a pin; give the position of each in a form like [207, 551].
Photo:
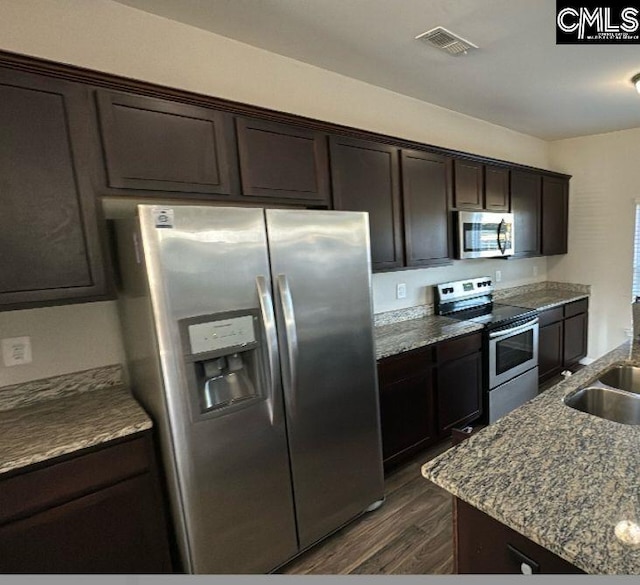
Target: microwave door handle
[514, 330]
[271, 338]
[291, 340]
[501, 231]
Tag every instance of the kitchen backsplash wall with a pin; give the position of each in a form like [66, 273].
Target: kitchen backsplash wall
[64, 339]
[420, 283]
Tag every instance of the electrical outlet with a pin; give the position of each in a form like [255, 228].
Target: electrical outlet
[16, 351]
[535, 270]
[498, 275]
[401, 291]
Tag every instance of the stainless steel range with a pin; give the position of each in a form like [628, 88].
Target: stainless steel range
[510, 342]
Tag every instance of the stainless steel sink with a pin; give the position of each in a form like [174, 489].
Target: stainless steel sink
[610, 403]
[623, 377]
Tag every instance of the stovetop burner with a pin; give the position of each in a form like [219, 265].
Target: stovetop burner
[494, 314]
[472, 300]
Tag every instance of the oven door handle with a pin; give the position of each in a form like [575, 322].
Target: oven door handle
[514, 330]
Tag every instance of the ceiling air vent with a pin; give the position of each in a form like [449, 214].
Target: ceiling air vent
[445, 40]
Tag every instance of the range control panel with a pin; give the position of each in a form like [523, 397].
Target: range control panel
[460, 289]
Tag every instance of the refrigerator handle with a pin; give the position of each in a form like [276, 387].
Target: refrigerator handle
[291, 338]
[271, 335]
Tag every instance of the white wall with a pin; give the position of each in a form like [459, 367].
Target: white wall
[63, 339]
[604, 187]
[110, 37]
[420, 282]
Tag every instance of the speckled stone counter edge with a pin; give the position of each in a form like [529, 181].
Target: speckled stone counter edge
[505, 293]
[399, 315]
[408, 313]
[28, 393]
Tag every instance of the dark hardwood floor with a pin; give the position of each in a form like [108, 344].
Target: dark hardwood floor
[411, 533]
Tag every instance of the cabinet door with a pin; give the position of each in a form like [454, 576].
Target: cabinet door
[365, 177]
[467, 191]
[459, 392]
[50, 239]
[406, 415]
[114, 530]
[555, 215]
[496, 188]
[482, 545]
[575, 339]
[157, 145]
[279, 161]
[426, 183]
[550, 350]
[525, 205]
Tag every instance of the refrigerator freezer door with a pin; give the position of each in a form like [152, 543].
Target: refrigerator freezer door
[231, 466]
[320, 264]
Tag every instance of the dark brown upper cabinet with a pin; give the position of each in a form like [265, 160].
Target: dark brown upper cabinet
[555, 215]
[283, 161]
[467, 193]
[525, 205]
[365, 177]
[480, 187]
[158, 145]
[50, 237]
[426, 189]
[496, 188]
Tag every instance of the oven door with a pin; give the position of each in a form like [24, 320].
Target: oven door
[513, 350]
[485, 235]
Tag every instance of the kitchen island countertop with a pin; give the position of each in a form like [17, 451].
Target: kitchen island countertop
[560, 477]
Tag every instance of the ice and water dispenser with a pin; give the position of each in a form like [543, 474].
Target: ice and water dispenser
[222, 359]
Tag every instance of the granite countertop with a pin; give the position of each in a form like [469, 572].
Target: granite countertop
[414, 327]
[561, 477]
[543, 299]
[65, 421]
[407, 335]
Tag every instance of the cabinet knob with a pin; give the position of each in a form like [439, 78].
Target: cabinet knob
[527, 565]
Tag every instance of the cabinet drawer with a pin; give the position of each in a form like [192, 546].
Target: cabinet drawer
[575, 308]
[551, 316]
[458, 347]
[60, 482]
[405, 365]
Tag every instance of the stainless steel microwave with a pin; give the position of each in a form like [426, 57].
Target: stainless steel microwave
[484, 234]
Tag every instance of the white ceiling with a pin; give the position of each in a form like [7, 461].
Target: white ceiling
[518, 78]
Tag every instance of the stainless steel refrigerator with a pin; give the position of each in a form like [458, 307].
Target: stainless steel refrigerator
[249, 340]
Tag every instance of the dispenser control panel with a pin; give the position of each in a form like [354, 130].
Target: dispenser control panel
[216, 335]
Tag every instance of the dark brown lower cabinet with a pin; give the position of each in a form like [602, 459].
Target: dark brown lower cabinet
[562, 341]
[406, 404]
[482, 545]
[575, 339]
[96, 512]
[426, 392]
[459, 387]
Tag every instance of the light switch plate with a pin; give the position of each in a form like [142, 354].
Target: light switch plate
[16, 351]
